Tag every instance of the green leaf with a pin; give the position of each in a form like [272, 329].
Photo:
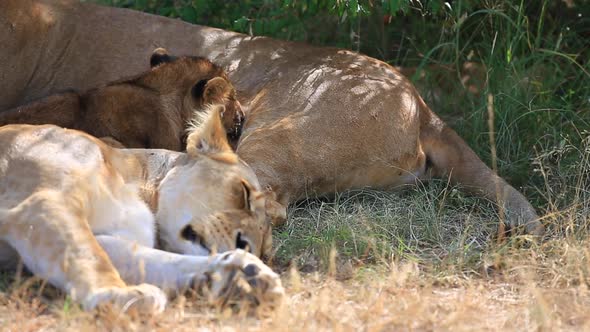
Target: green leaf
[201, 5]
[141, 4]
[165, 11]
[354, 8]
[241, 24]
[435, 6]
[188, 14]
[394, 6]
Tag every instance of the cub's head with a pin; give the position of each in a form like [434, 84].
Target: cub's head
[202, 84]
[211, 200]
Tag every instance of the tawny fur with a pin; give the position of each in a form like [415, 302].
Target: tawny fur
[320, 119]
[94, 220]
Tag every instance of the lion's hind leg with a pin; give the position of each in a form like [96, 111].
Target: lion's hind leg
[55, 242]
[448, 154]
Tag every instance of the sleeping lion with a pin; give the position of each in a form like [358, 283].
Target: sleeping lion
[127, 226]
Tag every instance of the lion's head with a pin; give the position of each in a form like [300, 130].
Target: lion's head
[211, 200]
[203, 84]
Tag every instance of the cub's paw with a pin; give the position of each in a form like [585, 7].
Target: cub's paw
[144, 298]
[238, 277]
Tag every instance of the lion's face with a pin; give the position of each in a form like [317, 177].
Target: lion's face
[212, 201]
[202, 84]
[219, 90]
[212, 205]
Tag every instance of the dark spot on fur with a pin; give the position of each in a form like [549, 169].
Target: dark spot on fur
[188, 233]
[159, 58]
[251, 270]
[428, 164]
[199, 89]
[234, 133]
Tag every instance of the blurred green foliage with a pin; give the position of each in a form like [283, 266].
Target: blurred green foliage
[380, 27]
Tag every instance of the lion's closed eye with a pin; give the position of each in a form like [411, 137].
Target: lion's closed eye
[188, 233]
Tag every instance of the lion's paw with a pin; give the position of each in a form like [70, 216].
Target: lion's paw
[144, 298]
[238, 276]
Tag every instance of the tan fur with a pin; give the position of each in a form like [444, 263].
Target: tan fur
[90, 219]
[147, 111]
[319, 119]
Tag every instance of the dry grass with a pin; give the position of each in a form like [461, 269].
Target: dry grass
[422, 259]
[532, 293]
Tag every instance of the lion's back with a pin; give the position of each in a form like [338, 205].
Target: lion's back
[50, 157]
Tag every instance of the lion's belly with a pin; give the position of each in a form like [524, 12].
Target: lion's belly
[293, 172]
[335, 134]
[376, 176]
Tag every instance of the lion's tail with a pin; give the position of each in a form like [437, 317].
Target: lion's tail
[448, 154]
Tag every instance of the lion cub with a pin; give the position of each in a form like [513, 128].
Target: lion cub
[150, 110]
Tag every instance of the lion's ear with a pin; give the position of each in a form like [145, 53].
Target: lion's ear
[159, 56]
[212, 91]
[216, 89]
[207, 135]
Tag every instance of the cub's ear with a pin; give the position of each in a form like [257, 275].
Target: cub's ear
[159, 56]
[208, 136]
[212, 91]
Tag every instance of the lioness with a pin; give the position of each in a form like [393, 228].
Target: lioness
[321, 119]
[91, 219]
[150, 110]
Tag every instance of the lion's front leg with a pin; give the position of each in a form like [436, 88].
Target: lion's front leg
[228, 271]
[232, 276]
[56, 244]
[140, 264]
